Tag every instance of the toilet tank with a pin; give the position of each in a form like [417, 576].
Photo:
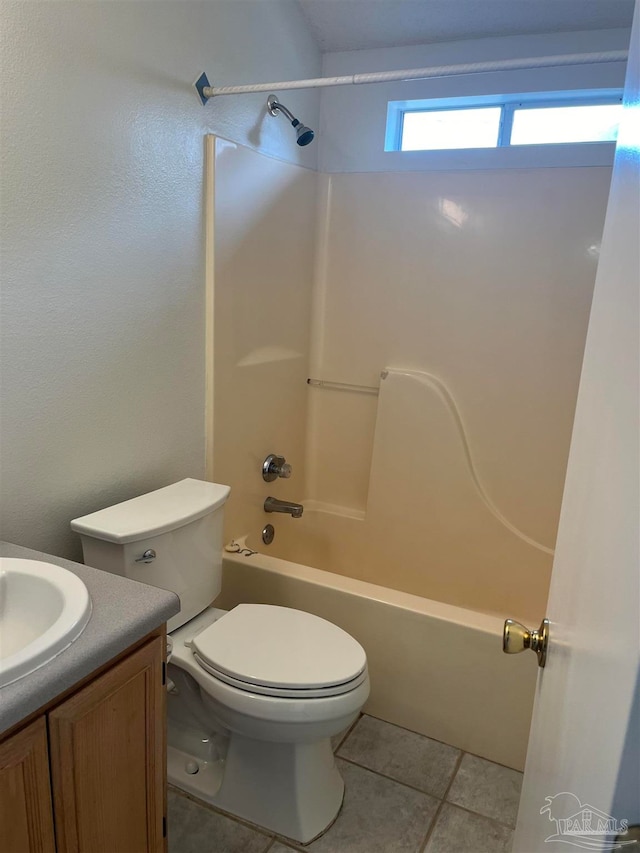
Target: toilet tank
[181, 523]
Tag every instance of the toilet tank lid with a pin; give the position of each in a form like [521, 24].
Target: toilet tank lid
[154, 513]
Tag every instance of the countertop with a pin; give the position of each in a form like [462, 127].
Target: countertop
[124, 611]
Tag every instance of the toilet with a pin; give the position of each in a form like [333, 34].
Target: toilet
[256, 693]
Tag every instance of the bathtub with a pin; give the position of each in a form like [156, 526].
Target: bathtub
[436, 668]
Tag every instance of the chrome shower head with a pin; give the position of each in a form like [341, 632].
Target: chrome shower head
[304, 134]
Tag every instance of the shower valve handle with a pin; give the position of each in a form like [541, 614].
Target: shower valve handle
[274, 467]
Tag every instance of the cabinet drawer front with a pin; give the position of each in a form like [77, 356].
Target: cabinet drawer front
[26, 815]
[108, 759]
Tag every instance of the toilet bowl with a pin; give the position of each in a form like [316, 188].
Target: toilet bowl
[275, 765]
[255, 694]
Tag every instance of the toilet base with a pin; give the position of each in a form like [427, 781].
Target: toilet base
[294, 790]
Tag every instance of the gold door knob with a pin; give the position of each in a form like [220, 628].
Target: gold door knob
[516, 638]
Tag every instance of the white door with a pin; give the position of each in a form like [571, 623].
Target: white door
[583, 763]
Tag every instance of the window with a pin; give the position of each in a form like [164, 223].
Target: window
[498, 122]
[545, 125]
[468, 128]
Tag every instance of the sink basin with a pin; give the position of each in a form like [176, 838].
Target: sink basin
[43, 609]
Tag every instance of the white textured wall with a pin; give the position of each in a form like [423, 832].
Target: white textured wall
[102, 383]
[353, 118]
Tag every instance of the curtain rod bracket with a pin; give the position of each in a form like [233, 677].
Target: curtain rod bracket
[200, 85]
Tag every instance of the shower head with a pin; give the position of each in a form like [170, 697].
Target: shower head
[304, 134]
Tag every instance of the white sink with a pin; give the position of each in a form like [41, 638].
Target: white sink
[43, 609]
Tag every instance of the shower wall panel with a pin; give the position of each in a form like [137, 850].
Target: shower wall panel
[482, 279]
[264, 229]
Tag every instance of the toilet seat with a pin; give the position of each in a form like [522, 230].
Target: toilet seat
[280, 652]
[283, 692]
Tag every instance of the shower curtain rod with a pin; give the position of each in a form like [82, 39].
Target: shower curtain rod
[207, 91]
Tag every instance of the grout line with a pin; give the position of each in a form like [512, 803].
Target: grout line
[483, 816]
[444, 743]
[348, 732]
[289, 843]
[260, 830]
[432, 825]
[490, 761]
[390, 778]
[304, 848]
[453, 777]
[272, 837]
[414, 732]
[441, 800]
[465, 808]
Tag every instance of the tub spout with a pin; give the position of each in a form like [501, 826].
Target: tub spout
[274, 505]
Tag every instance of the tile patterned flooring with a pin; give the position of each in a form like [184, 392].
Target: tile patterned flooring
[405, 793]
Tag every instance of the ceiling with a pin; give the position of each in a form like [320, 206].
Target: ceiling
[360, 24]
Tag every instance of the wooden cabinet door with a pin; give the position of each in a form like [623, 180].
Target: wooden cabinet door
[26, 815]
[107, 745]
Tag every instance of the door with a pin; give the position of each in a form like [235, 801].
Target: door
[582, 776]
[107, 747]
[26, 814]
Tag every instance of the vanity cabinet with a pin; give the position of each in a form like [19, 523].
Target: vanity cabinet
[103, 748]
[26, 816]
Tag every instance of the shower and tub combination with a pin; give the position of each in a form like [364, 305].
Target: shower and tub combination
[416, 361]
[432, 620]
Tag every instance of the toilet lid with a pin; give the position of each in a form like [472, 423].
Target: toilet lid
[279, 647]
[283, 692]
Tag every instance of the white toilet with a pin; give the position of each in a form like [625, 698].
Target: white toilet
[255, 693]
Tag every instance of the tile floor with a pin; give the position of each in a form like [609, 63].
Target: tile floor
[405, 793]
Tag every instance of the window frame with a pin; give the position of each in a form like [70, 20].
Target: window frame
[396, 111]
